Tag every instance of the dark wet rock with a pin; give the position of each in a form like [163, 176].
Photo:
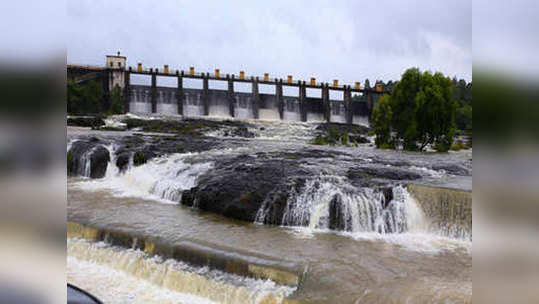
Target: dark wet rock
[189, 127]
[338, 220]
[359, 139]
[122, 161]
[83, 151]
[74, 154]
[307, 153]
[368, 176]
[93, 122]
[136, 149]
[239, 132]
[237, 187]
[100, 158]
[145, 147]
[388, 195]
[454, 169]
[343, 128]
[341, 219]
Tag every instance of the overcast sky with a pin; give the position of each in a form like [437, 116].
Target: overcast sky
[345, 40]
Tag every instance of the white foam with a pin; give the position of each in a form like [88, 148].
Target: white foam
[359, 209]
[140, 278]
[120, 287]
[162, 179]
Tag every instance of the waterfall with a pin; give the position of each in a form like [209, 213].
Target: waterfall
[330, 202]
[163, 178]
[141, 278]
[85, 163]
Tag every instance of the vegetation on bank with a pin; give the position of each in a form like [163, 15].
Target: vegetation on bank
[422, 110]
[90, 98]
[339, 134]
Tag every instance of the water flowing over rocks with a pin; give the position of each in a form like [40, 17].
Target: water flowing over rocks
[238, 186]
[291, 187]
[252, 212]
[88, 159]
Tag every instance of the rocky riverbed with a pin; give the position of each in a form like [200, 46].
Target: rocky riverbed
[269, 174]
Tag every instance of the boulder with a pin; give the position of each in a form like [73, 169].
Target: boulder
[238, 187]
[83, 151]
[100, 158]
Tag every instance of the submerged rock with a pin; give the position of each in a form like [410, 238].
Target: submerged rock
[343, 128]
[240, 132]
[387, 173]
[453, 169]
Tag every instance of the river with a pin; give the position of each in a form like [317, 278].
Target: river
[347, 229]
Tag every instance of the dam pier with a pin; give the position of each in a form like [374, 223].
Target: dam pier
[181, 100]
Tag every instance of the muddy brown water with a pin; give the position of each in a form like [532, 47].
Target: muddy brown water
[340, 267]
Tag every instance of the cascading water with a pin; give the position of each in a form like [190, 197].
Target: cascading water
[329, 202]
[85, 163]
[161, 280]
[163, 178]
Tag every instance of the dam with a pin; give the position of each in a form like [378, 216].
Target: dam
[191, 102]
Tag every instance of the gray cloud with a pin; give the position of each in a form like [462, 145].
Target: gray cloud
[345, 40]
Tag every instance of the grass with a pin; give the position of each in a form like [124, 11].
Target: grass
[459, 145]
[333, 137]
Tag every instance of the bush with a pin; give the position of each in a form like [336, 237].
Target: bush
[320, 140]
[333, 136]
[85, 99]
[139, 158]
[387, 146]
[344, 139]
[459, 145]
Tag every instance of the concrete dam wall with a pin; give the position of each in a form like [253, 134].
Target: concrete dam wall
[222, 103]
[449, 211]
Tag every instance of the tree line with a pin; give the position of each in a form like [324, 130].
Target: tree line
[423, 109]
[90, 98]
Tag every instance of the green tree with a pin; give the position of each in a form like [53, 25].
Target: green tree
[422, 112]
[463, 117]
[116, 100]
[84, 99]
[93, 97]
[381, 120]
[73, 98]
[405, 107]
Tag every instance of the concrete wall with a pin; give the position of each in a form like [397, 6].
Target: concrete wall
[140, 101]
[116, 65]
[448, 211]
